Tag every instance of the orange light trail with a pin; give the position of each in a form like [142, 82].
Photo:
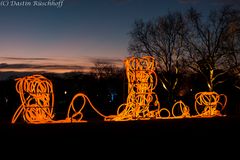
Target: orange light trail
[37, 97]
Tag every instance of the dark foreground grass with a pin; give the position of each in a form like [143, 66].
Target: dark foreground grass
[139, 128]
[201, 136]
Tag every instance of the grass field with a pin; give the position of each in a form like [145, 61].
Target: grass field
[200, 135]
[202, 127]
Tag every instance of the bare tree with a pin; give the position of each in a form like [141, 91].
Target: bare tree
[102, 69]
[212, 43]
[161, 38]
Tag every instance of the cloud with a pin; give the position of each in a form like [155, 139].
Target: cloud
[5, 66]
[113, 61]
[24, 59]
[15, 66]
[54, 65]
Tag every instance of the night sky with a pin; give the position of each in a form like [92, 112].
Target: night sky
[78, 33]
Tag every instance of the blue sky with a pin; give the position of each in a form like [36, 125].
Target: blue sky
[79, 32]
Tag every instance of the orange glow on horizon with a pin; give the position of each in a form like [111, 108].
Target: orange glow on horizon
[53, 64]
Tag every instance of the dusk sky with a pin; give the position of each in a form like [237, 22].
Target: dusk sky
[78, 33]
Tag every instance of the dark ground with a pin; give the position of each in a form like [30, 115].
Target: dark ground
[139, 128]
[214, 136]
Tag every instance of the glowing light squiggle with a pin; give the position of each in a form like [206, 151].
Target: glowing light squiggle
[37, 97]
[142, 81]
[184, 110]
[142, 101]
[75, 115]
[208, 104]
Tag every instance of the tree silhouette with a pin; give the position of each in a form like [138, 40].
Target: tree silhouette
[180, 42]
[212, 43]
[161, 38]
[102, 69]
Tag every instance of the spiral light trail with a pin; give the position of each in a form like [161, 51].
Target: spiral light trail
[142, 101]
[37, 98]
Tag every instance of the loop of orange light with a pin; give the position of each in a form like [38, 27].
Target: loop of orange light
[142, 80]
[36, 94]
[184, 110]
[141, 83]
[142, 101]
[207, 103]
[75, 115]
[37, 97]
